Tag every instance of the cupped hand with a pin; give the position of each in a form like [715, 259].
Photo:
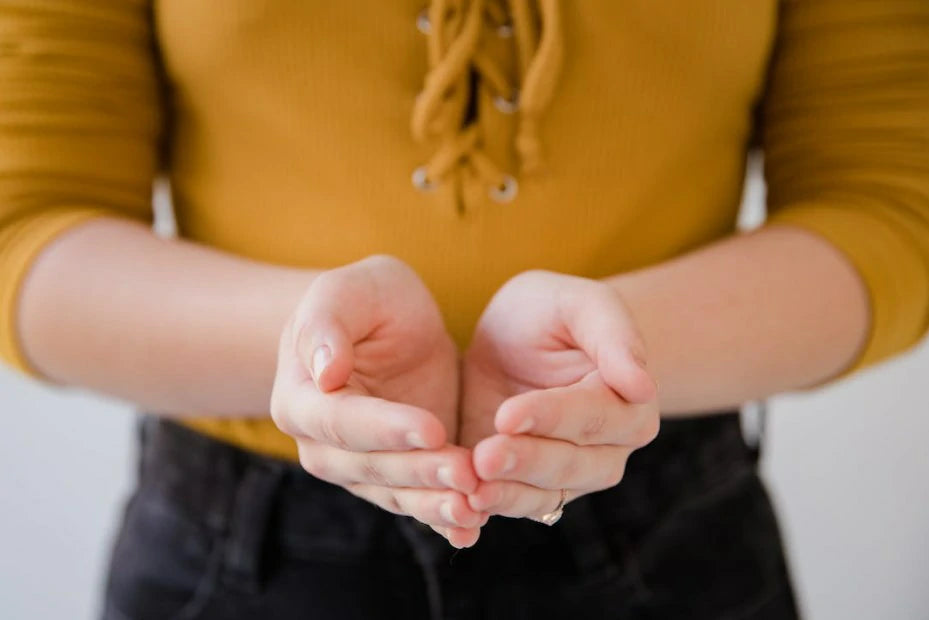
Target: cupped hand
[556, 394]
[367, 385]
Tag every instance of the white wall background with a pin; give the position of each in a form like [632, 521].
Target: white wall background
[848, 468]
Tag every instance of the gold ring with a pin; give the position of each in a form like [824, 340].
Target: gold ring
[551, 518]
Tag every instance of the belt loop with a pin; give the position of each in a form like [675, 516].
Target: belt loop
[250, 522]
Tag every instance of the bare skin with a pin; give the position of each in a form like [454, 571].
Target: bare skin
[740, 319]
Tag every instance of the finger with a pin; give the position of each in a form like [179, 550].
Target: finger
[444, 531]
[549, 463]
[588, 412]
[447, 509]
[351, 421]
[459, 537]
[339, 309]
[624, 371]
[515, 499]
[446, 468]
[344, 306]
[601, 325]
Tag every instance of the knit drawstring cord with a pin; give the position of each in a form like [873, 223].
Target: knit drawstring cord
[454, 31]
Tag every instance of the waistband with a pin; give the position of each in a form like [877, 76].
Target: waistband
[254, 502]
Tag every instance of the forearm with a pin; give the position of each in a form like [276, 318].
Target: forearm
[169, 325]
[747, 317]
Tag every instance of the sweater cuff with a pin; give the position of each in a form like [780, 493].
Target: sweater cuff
[895, 275]
[21, 241]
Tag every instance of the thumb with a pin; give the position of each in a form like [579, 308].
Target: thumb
[336, 313]
[624, 370]
[603, 328]
[324, 348]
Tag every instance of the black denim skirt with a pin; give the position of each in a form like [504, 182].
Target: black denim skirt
[215, 532]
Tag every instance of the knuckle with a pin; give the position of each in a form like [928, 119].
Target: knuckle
[548, 501]
[314, 465]
[392, 504]
[607, 480]
[490, 497]
[389, 266]
[325, 284]
[614, 475]
[593, 426]
[374, 474]
[603, 295]
[649, 430]
[427, 507]
[325, 279]
[387, 438]
[529, 278]
[279, 409]
[385, 261]
[532, 274]
[566, 474]
[540, 504]
[330, 433]
[422, 476]
[382, 498]
[397, 504]
[505, 499]
[633, 341]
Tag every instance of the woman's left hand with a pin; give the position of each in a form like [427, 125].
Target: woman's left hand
[555, 394]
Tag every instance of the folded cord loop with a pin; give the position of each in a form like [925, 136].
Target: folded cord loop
[449, 65]
[453, 30]
[539, 82]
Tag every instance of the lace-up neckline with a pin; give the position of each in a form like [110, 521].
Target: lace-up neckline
[454, 30]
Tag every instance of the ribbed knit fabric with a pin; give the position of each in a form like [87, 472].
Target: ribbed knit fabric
[292, 134]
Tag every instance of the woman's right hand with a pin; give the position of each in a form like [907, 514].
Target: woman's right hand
[367, 385]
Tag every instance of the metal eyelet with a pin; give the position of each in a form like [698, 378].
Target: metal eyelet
[422, 22]
[505, 30]
[421, 180]
[505, 191]
[507, 106]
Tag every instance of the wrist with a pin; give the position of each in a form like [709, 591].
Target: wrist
[274, 299]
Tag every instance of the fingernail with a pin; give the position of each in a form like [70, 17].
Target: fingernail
[445, 509]
[525, 426]
[444, 474]
[321, 357]
[415, 440]
[509, 463]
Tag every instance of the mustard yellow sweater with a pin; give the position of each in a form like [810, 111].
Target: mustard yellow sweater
[474, 139]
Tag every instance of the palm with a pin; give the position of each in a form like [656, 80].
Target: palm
[492, 378]
[520, 344]
[395, 343]
[413, 362]
[544, 330]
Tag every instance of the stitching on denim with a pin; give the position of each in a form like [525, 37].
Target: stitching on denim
[206, 588]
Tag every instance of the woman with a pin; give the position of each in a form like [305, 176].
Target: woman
[363, 191]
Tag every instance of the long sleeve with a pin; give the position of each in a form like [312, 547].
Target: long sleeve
[845, 130]
[80, 121]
